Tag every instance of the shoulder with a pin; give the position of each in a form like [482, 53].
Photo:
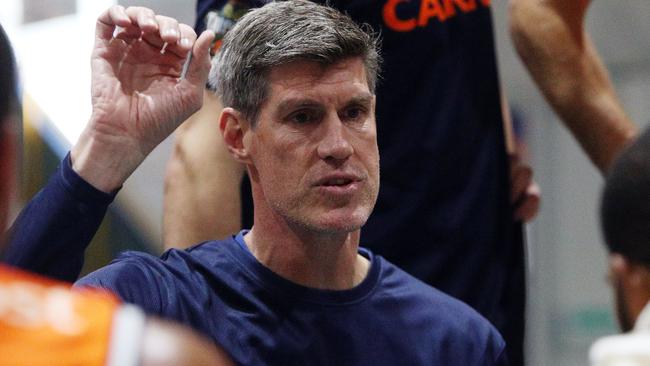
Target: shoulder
[128, 266]
[142, 266]
[151, 281]
[134, 276]
[451, 311]
[469, 335]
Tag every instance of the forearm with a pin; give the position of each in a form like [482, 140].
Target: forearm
[135, 107]
[550, 39]
[103, 163]
[51, 233]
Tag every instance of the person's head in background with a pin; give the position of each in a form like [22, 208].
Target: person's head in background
[9, 111]
[625, 216]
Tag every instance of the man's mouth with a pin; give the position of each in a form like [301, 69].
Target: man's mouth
[338, 182]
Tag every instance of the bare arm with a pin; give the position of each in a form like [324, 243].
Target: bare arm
[550, 38]
[202, 200]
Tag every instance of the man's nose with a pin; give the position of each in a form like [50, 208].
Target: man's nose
[334, 143]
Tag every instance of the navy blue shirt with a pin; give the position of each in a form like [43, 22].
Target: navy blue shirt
[219, 288]
[53, 230]
[443, 211]
[260, 318]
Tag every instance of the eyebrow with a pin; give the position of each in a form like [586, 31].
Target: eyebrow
[289, 104]
[365, 99]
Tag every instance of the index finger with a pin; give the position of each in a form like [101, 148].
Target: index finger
[115, 16]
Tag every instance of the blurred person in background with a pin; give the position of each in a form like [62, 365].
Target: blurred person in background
[551, 40]
[44, 322]
[625, 219]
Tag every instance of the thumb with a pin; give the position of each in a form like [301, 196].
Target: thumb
[199, 66]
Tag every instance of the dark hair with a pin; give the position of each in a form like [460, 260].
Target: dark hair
[625, 205]
[7, 78]
[277, 34]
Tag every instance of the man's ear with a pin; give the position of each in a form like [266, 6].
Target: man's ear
[233, 128]
[633, 274]
[619, 266]
[631, 281]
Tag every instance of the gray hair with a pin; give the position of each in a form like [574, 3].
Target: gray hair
[624, 207]
[279, 33]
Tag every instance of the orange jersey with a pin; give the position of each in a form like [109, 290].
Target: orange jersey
[44, 322]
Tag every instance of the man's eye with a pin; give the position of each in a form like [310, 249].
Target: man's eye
[302, 117]
[353, 113]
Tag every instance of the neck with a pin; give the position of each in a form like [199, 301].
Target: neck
[643, 318]
[317, 260]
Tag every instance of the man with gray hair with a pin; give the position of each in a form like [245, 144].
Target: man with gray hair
[297, 81]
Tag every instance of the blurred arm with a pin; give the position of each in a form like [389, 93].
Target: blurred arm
[202, 199]
[550, 38]
[166, 343]
[525, 195]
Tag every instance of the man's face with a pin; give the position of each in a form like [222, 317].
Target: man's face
[314, 149]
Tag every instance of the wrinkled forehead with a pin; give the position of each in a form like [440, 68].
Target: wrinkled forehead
[308, 77]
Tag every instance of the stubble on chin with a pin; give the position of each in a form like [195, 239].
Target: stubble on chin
[327, 218]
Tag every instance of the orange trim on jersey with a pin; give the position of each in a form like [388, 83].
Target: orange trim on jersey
[44, 322]
[440, 10]
[393, 21]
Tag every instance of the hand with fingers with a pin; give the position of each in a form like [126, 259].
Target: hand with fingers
[525, 194]
[139, 94]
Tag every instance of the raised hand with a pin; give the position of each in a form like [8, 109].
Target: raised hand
[525, 194]
[139, 94]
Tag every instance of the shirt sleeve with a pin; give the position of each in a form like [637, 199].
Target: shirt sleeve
[496, 352]
[502, 359]
[136, 278]
[51, 234]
